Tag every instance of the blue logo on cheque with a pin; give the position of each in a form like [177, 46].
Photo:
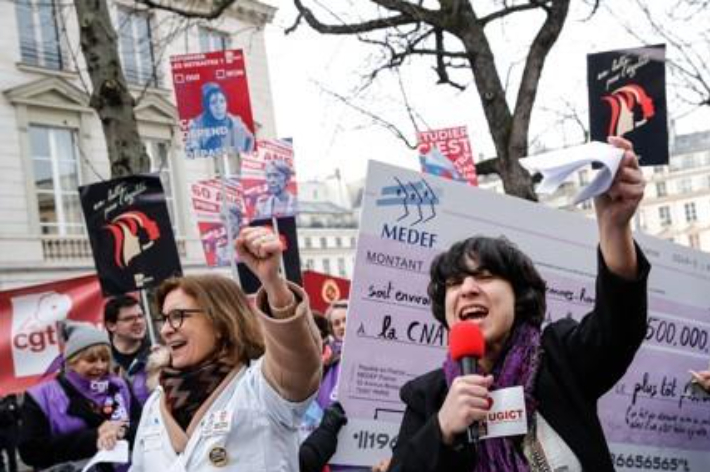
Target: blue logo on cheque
[418, 203]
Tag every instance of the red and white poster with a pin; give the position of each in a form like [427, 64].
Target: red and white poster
[212, 95]
[269, 180]
[447, 153]
[324, 289]
[29, 337]
[207, 203]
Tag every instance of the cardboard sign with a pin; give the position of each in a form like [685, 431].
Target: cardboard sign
[447, 153]
[212, 95]
[627, 97]
[269, 179]
[130, 233]
[29, 338]
[291, 259]
[207, 204]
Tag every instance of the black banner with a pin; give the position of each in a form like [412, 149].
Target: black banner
[130, 233]
[292, 260]
[627, 97]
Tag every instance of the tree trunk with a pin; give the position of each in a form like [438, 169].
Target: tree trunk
[110, 97]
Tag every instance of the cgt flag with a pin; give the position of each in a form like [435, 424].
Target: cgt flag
[29, 341]
[130, 233]
[324, 289]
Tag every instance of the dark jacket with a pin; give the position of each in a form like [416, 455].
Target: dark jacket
[580, 362]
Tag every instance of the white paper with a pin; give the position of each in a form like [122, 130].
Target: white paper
[507, 416]
[118, 454]
[557, 166]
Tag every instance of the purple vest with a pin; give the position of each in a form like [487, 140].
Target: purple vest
[54, 402]
[327, 391]
[139, 386]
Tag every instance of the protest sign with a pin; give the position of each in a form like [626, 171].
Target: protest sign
[207, 202]
[29, 337]
[130, 233]
[447, 153]
[212, 97]
[269, 179]
[627, 97]
[392, 337]
[324, 289]
[291, 259]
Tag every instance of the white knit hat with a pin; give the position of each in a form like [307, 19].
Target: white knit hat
[79, 336]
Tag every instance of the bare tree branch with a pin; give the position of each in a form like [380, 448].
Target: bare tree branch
[195, 10]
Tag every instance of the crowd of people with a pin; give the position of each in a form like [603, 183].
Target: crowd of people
[241, 386]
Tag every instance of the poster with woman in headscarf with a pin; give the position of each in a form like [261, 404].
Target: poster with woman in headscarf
[212, 94]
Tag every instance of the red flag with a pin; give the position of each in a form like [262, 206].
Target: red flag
[29, 316]
[324, 289]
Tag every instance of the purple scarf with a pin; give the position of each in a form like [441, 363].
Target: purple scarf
[111, 404]
[517, 365]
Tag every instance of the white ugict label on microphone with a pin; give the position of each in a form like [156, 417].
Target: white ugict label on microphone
[507, 414]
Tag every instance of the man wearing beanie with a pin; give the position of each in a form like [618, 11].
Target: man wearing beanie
[66, 420]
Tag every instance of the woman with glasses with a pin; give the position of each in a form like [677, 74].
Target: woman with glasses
[237, 379]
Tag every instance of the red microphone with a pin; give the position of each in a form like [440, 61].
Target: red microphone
[466, 346]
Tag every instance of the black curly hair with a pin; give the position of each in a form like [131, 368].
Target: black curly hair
[501, 258]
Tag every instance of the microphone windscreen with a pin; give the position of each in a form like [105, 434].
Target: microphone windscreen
[466, 340]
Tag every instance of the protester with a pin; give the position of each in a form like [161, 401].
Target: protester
[563, 369]
[315, 452]
[336, 315]
[237, 380]
[215, 131]
[126, 323]
[9, 428]
[67, 420]
[278, 201]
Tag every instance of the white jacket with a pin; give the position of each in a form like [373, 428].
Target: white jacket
[249, 421]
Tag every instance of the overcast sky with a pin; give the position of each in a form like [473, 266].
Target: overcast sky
[328, 134]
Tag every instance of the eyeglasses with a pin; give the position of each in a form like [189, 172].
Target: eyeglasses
[176, 317]
[131, 319]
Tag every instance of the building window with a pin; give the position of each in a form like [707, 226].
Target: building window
[212, 40]
[661, 190]
[341, 267]
[690, 212]
[685, 186]
[310, 264]
[159, 153]
[586, 205]
[352, 241]
[323, 243]
[38, 24]
[136, 47]
[57, 176]
[664, 214]
[326, 266]
[308, 242]
[583, 177]
[694, 241]
[338, 241]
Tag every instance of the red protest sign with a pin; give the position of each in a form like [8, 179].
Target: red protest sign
[269, 180]
[447, 153]
[29, 337]
[324, 289]
[212, 95]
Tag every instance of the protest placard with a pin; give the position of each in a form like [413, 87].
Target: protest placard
[129, 229]
[212, 95]
[447, 153]
[392, 337]
[207, 202]
[627, 97]
[269, 179]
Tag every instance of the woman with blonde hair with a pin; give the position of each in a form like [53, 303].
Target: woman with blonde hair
[236, 380]
[86, 408]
